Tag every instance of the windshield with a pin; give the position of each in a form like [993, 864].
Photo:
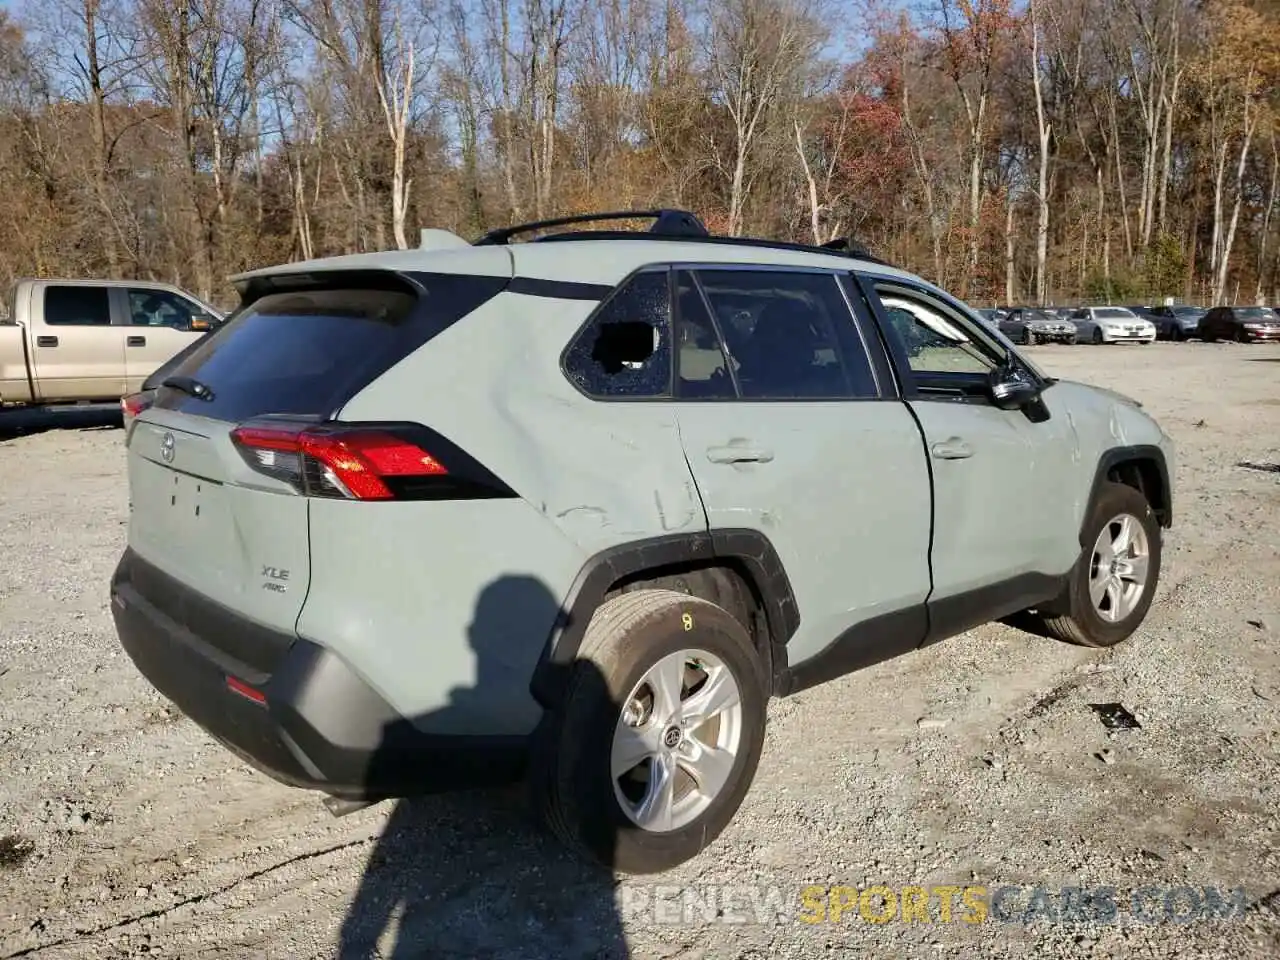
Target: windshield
[1256, 313]
[1187, 311]
[1115, 313]
[1039, 315]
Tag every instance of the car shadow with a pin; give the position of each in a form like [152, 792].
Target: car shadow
[20, 423]
[1264, 359]
[471, 874]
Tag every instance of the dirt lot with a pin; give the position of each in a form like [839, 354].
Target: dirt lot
[130, 833]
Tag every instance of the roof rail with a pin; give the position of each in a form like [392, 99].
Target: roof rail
[671, 225]
[667, 223]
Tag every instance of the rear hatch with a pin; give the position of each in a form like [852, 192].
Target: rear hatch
[223, 465]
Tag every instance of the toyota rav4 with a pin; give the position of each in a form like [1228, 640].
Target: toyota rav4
[572, 510]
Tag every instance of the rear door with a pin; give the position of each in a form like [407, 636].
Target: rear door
[237, 532]
[76, 351]
[160, 324]
[792, 429]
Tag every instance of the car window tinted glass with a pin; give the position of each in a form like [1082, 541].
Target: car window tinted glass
[703, 369]
[77, 306]
[305, 353]
[626, 349]
[160, 308]
[790, 334]
[935, 339]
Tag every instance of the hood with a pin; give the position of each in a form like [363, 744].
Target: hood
[1123, 398]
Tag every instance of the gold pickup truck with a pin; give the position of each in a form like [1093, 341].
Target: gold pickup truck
[78, 341]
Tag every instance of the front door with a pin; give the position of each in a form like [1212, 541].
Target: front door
[160, 323]
[789, 432]
[998, 512]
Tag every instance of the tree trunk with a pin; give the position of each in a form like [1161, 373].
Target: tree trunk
[1009, 260]
[97, 110]
[1044, 129]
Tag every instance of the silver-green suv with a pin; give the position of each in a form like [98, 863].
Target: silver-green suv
[574, 509]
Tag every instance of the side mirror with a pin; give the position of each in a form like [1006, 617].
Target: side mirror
[202, 321]
[1011, 388]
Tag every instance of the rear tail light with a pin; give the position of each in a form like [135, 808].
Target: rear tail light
[135, 403]
[363, 462]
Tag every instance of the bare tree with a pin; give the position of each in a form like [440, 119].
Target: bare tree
[1044, 131]
[757, 50]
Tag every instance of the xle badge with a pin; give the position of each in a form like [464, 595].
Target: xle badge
[274, 579]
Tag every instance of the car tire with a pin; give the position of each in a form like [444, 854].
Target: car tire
[631, 636]
[1097, 336]
[1029, 338]
[1242, 337]
[1080, 619]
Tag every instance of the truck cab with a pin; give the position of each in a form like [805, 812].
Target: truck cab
[76, 341]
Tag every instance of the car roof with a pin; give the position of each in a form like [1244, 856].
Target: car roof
[80, 282]
[603, 258]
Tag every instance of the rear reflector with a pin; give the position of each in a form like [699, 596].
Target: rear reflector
[355, 463]
[246, 691]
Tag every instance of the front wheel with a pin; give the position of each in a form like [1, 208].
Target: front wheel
[1029, 338]
[657, 741]
[1111, 587]
[1097, 335]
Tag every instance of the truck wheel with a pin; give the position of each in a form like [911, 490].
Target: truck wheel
[1113, 582]
[658, 738]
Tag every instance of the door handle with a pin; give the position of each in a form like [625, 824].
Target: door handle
[46, 341]
[954, 448]
[732, 454]
[137, 341]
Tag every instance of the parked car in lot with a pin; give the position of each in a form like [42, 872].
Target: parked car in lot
[1029, 325]
[1177, 322]
[576, 508]
[1112, 325]
[1243, 324]
[77, 341]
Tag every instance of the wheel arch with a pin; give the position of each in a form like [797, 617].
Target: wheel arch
[732, 560]
[1142, 467]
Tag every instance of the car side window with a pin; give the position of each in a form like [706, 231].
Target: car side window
[160, 308]
[935, 338]
[788, 335]
[625, 351]
[73, 306]
[703, 370]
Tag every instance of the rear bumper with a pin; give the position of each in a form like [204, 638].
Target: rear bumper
[321, 727]
[1263, 335]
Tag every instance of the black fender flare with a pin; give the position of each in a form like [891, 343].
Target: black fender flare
[749, 549]
[1162, 505]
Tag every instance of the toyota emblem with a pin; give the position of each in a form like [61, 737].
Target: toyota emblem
[166, 448]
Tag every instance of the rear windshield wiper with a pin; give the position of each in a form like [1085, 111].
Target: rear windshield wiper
[188, 385]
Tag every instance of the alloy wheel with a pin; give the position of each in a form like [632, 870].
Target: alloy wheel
[677, 740]
[1119, 568]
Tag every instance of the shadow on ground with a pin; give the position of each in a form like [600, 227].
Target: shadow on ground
[19, 423]
[471, 874]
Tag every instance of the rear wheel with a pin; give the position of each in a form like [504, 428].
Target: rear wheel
[657, 741]
[1111, 587]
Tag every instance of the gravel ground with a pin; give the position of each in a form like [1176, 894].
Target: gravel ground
[124, 831]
